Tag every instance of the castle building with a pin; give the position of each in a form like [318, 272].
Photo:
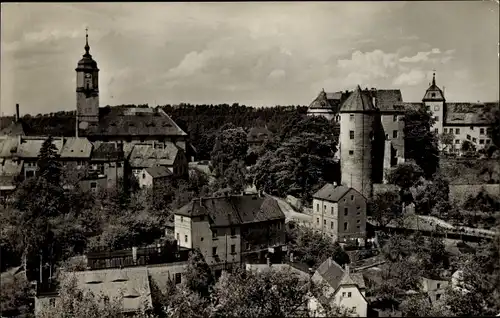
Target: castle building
[372, 140]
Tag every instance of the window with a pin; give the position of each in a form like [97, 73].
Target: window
[433, 94]
[343, 294]
[358, 227]
[354, 308]
[201, 239]
[487, 141]
[395, 118]
[436, 118]
[457, 131]
[178, 239]
[233, 231]
[351, 152]
[317, 220]
[317, 207]
[185, 238]
[358, 221]
[438, 285]
[436, 130]
[438, 296]
[474, 139]
[481, 131]
[351, 117]
[352, 197]
[332, 210]
[93, 186]
[351, 134]
[471, 128]
[233, 249]
[436, 108]
[324, 207]
[331, 225]
[481, 141]
[324, 222]
[468, 137]
[346, 210]
[349, 295]
[394, 134]
[144, 176]
[182, 219]
[214, 234]
[214, 250]
[119, 164]
[178, 278]
[445, 130]
[457, 141]
[30, 173]
[52, 302]
[345, 226]
[359, 210]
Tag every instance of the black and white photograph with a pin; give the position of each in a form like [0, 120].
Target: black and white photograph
[250, 159]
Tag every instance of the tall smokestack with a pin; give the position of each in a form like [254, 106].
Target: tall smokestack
[17, 113]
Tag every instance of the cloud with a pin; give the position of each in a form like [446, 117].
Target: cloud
[277, 74]
[370, 65]
[412, 78]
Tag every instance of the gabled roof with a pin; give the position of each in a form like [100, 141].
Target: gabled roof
[332, 193]
[234, 209]
[321, 101]
[387, 98]
[29, 147]
[159, 172]
[144, 156]
[357, 102]
[76, 148]
[14, 129]
[107, 151]
[138, 121]
[335, 275]
[135, 289]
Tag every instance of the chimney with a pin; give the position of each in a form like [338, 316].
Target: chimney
[291, 257]
[329, 261]
[347, 269]
[134, 254]
[17, 113]
[374, 101]
[268, 260]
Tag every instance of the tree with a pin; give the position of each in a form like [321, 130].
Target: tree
[49, 166]
[300, 166]
[468, 148]
[420, 306]
[198, 276]
[406, 175]
[230, 145]
[14, 294]
[493, 114]
[447, 142]
[313, 248]
[434, 196]
[421, 143]
[385, 207]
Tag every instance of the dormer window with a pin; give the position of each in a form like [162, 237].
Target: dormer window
[433, 94]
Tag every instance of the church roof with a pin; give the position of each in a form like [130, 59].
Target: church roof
[138, 121]
[357, 102]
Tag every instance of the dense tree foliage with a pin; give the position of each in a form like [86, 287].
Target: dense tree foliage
[433, 197]
[421, 144]
[385, 207]
[405, 175]
[300, 163]
[313, 248]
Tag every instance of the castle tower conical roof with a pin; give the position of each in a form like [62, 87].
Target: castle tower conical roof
[357, 102]
[321, 101]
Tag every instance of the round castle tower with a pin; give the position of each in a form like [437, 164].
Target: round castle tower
[357, 124]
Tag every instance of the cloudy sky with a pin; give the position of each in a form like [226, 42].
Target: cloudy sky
[253, 53]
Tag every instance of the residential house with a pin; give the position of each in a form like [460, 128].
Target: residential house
[144, 156]
[435, 287]
[343, 288]
[230, 230]
[340, 212]
[153, 176]
[126, 274]
[16, 128]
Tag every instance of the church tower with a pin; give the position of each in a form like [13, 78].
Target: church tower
[87, 90]
[434, 100]
[357, 131]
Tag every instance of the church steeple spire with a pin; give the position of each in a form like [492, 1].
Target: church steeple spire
[87, 47]
[434, 78]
